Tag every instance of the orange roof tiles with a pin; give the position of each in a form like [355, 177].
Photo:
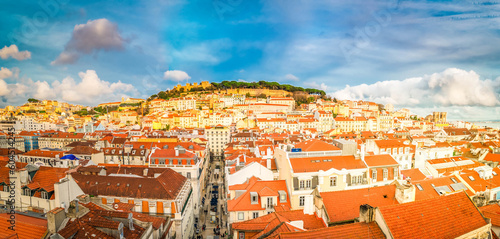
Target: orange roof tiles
[26, 227]
[492, 211]
[415, 174]
[315, 145]
[428, 186]
[267, 188]
[349, 231]
[344, 205]
[380, 160]
[442, 217]
[314, 164]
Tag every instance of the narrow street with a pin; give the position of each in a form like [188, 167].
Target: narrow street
[211, 214]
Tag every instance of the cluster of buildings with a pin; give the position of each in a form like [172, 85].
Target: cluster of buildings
[336, 169]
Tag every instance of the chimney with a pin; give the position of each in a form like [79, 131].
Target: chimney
[176, 152]
[363, 152]
[309, 205]
[130, 222]
[55, 218]
[120, 230]
[269, 163]
[76, 206]
[405, 191]
[366, 213]
[245, 158]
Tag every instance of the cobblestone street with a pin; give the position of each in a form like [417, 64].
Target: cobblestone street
[212, 216]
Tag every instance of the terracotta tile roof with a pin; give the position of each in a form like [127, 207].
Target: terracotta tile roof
[315, 145]
[492, 211]
[26, 227]
[243, 202]
[44, 153]
[275, 220]
[448, 216]
[415, 174]
[475, 182]
[46, 177]
[391, 143]
[344, 205]
[492, 157]
[355, 230]
[428, 187]
[166, 186]
[380, 160]
[86, 150]
[314, 164]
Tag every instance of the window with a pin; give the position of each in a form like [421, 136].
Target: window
[240, 216]
[374, 174]
[302, 200]
[385, 173]
[301, 184]
[472, 178]
[188, 175]
[171, 162]
[333, 181]
[454, 180]
[354, 180]
[396, 172]
[161, 161]
[282, 196]
[270, 202]
[45, 195]
[255, 214]
[494, 173]
[179, 161]
[27, 192]
[308, 183]
[360, 179]
[254, 197]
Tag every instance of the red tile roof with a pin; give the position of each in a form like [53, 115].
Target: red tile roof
[344, 205]
[441, 217]
[348, 231]
[314, 164]
[315, 145]
[415, 174]
[492, 211]
[266, 188]
[166, 186]
[380, 160]
[26, 227]
[428, 185]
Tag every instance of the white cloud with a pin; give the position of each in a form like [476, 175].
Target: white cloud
[95, 35]
[452, 87]
[291, 77]
[176, 75]
[241, 80]
[5, 73]
[315, 85]
[13, 51]
[90, 90]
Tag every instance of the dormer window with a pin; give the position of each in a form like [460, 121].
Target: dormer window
[45, 195]
[282, 196]
[454, 180]
[420, 187]
[472, 178]
[142, 146]
[254, 198]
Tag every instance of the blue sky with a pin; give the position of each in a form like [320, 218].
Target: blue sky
[423, 55]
